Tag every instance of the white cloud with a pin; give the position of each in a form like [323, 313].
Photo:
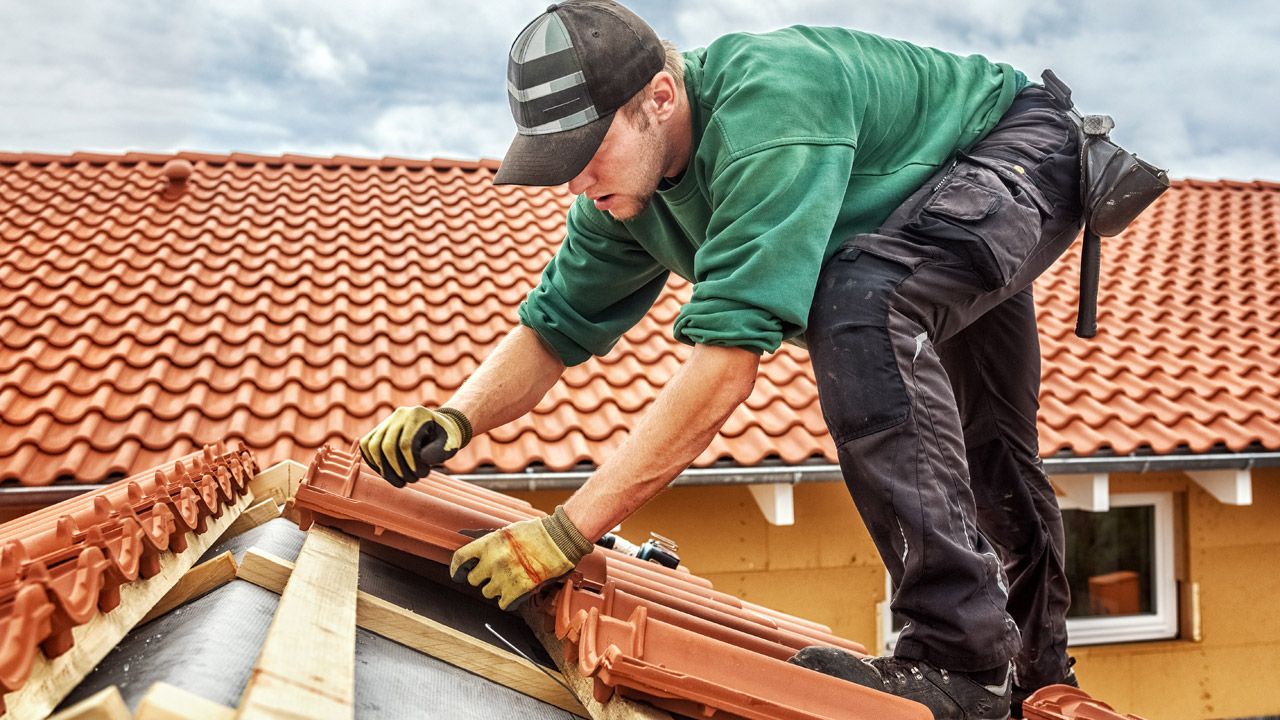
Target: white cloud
[1191, 84]
[924, 21]
[450, 129]
[312, 58]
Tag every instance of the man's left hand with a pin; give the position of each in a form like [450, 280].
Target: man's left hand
[511, 562]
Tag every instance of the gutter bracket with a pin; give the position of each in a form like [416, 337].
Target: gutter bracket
[1230, 487]
[1091, 492]
[776, 502]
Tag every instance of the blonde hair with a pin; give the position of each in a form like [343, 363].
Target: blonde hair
[675, 66]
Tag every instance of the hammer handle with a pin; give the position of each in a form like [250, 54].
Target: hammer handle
[1090, 262]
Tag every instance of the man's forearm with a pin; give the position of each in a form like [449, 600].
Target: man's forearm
[680, 424]
[509, 383]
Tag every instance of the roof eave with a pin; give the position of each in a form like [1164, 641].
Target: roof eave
[794, 474]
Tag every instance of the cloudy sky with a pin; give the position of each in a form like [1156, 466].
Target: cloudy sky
[1193, 84]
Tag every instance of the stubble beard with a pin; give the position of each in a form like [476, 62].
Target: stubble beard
[650, 165]
[642, 204]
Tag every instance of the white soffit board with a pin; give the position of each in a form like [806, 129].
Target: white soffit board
[1230, 487]
[1090, 492]
[776, 502]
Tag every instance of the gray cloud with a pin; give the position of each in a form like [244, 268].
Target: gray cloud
[1191, 83]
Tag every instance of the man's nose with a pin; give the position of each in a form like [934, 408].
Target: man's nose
[582, 182]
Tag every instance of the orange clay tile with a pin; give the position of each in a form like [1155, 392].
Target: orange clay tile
[637, 628]
[60, 565]
[1062, 702]
[150, 304]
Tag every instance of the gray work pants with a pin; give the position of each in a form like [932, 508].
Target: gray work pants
[924, 344]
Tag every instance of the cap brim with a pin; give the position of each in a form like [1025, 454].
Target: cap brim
[553, 158]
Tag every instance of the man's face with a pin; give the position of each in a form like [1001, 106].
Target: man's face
[626, 169]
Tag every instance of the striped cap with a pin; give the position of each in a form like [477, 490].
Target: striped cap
[568, 73]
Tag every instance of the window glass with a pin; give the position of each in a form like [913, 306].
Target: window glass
[1111, 561]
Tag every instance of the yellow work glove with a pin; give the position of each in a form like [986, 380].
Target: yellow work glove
[406, 445]
[513, 561]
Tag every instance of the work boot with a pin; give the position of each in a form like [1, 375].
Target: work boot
[1020, 694]
[949, 695]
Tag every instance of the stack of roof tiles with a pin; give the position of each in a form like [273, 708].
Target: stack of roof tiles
[61, 565]
[153, 303]
[636, 627]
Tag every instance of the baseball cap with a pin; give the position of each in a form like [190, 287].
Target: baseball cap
[568, 73]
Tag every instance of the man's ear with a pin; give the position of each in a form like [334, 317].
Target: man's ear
[666, 95]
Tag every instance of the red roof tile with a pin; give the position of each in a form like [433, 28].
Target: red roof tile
[1188, 349]
[293, 301]
[59, 566]
[1061, 702]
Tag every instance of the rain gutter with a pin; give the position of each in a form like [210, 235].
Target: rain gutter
[20, 495]
[533, 480]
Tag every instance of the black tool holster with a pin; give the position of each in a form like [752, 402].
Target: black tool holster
[1115, 187]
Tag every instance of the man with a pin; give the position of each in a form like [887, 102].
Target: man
[886, 204]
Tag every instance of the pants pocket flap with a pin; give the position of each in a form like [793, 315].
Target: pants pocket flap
[962, 199]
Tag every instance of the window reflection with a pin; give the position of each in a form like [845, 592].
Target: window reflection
[1110, 561]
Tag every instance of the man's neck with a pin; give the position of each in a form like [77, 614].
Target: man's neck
[679, 138]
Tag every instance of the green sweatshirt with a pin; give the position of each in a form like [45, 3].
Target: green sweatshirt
[803, 138]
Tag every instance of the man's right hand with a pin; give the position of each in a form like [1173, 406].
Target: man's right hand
[406, 445]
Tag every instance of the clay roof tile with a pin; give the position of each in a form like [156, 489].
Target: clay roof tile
[280, 293]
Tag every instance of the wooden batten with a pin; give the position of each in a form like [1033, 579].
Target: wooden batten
[195, 582]
[278, 482]
[258, 514]
[307, 665]
[167, 702]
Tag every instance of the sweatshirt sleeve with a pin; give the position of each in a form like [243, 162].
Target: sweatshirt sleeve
[773, 214]
[599, 284]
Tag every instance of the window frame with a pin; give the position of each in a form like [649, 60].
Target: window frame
[1160, 625]
[1163, 623]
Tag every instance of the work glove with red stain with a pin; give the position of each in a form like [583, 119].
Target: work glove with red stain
[404, 447]
[512, 562]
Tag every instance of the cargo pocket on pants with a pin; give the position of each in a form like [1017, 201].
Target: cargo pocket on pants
[859, 386]
[987, 215]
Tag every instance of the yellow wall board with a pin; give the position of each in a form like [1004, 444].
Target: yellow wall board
[837, 597]
[1240, 595]
[719, 528]
[1107, 676]
[1222, 525]
[822, 510]
[1222, 682]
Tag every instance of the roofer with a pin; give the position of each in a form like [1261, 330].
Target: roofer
[887, 205]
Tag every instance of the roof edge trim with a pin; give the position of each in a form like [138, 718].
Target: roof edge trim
[249, 159]
[529, 481]
[19, 495]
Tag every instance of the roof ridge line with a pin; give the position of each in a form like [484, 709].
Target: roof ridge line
[242, 158]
